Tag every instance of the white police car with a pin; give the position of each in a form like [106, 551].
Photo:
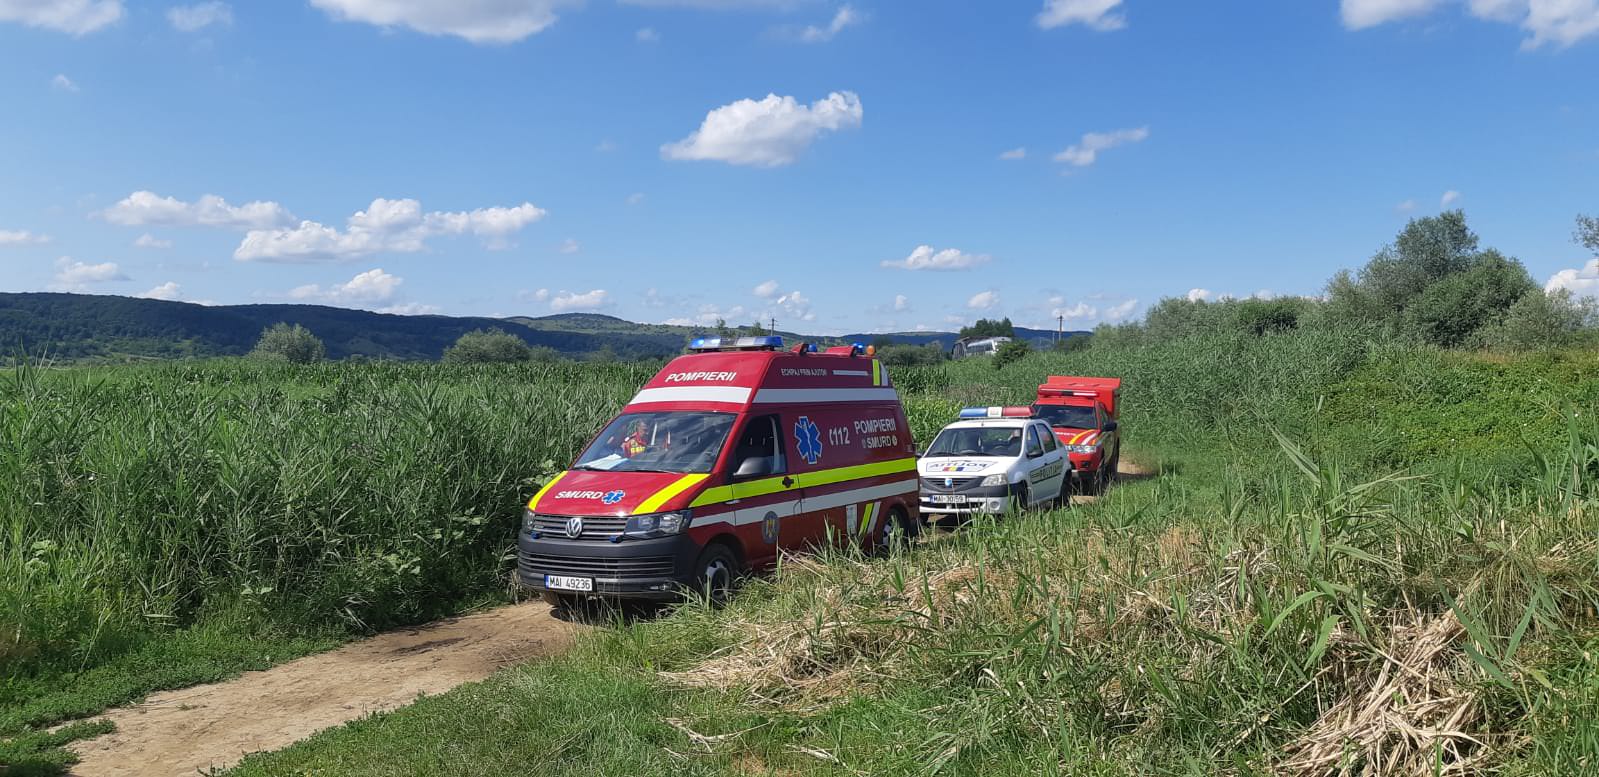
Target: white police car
[992, 460]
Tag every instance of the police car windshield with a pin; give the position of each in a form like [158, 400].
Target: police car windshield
[1069, 416]
[1003, 441]
[658, 442]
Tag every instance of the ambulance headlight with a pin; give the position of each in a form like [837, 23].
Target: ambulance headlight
[1083, 448]
[527, 521]
[657, 525]
[994, 480]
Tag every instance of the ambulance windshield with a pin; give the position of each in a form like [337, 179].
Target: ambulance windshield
[1005, 441]
[658, 442]
[1068, 416]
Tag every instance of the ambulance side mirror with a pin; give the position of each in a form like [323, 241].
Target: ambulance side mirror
[754, 467]
[1110, 426]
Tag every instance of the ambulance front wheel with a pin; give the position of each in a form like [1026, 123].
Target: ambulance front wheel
[716, 572]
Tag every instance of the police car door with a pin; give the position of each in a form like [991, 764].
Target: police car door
[1044, 468]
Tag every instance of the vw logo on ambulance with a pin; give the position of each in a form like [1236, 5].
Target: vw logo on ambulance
[733, 453]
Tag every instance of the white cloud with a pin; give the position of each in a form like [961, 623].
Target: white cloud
[396, 226]
[1086, 152]
[766, 290]
[795, 305]
[708, 315]
[193, 18]
[949, 259]
[76, 276]
[148, 240]
[1197, 295]
[570, 246]
[1095, 14]
[62, 83]
[718, 5]
[1121, 311]
[1405, 207]
[1019, 152]
[983, 300]
[1582, 282]
[478, 21]
[373, 287]
[647, 35]
[412, 309]
[74, 17]
[635, 198]
[1558, 22]
[588, 300]
[169, 291]
[1360, 14]
[766, 133]
[901, 303]
[17, 237]
[542, 295]
[148, 208]
[845, 17]
[1078, 312]
[1450, 197]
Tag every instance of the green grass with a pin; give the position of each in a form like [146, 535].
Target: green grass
[1200, 620]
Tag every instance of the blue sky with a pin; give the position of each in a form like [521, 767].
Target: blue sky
[870, 165]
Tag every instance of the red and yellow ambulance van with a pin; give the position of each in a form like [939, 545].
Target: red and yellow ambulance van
[1083, 413]
[730, 454]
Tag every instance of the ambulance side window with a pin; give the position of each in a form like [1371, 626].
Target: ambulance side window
[760, 449]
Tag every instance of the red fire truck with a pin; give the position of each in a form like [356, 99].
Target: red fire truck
[730, 454]
[1082, 411]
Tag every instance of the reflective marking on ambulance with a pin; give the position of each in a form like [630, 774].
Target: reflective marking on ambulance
[747, 515]
[776, 396]
[733, 395]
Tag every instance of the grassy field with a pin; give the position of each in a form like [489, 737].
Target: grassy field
[1344, 542]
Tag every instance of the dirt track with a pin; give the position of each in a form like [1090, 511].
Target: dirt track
[182, 732]
[214, 726]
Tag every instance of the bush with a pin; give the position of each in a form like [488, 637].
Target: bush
[911, 355]
[289, 342]
[488, 346]
[1010, 352]
[1538, 321]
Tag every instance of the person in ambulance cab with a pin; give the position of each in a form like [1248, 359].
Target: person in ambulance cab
[637, 441]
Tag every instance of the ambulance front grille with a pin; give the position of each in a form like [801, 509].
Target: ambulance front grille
[607, 568]
[595, 529]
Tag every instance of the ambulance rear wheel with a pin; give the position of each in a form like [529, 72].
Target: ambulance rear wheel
[897, 532]
[716, 572]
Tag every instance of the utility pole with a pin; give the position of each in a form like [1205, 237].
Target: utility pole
[1060, 327]
[773, 329]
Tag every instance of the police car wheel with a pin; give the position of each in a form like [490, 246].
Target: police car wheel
[1024, 498]
[716, 573]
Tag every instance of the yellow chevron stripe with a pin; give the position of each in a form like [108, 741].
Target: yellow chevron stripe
[533, 504]
[664, 495]
[824, 477]
[877, 373]
[871, 514]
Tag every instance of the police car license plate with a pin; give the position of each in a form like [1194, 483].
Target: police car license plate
[948, 499]
[563, 583]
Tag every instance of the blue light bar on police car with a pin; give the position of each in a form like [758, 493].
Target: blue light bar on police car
[996, 412]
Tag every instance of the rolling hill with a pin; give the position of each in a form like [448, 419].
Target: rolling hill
[83, 327]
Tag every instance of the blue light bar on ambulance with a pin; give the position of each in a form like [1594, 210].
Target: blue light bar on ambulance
[741, 344]
[996, 412]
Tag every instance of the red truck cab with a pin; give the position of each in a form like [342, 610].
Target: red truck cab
[1082, 412]
[728, 456]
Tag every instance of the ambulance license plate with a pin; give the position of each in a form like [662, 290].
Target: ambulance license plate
[563, 583]
[948, 499]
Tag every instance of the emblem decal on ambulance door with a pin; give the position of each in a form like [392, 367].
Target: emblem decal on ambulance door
[808, 440]
[769, 528]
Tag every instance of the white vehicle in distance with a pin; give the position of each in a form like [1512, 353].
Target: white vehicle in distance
[992, 460]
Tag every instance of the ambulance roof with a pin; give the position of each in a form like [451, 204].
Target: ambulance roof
[731, 381]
